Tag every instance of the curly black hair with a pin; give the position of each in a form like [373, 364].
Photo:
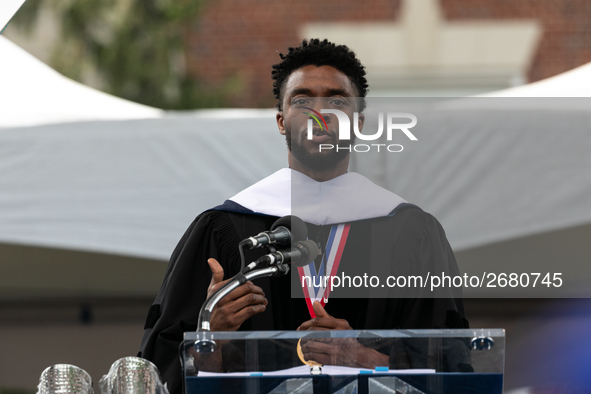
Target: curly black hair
[319, 53]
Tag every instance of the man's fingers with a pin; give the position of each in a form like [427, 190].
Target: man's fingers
[312, 346]
[239, 292]
[249, 311]
[244, 301]
[223, 320]
[324, 320]
[314, 329]
[320, 322]
[305, 325]
[324, 359]
[319, 310]
[320, 352]
[217, 272]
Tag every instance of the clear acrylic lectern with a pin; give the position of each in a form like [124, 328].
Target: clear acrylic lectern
[344, 362]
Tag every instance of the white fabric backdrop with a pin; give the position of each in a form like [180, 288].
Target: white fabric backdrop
[79, 177]
[127, 187]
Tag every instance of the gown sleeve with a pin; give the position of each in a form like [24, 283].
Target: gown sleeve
[424, 244]
[427, 247]
[184, 290]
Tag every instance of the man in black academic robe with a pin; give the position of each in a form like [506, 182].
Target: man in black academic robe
[317, 188]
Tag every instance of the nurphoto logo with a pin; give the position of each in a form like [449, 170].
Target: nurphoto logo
[392, 124]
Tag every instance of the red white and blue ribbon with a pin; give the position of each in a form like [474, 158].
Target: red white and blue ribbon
[314, 289]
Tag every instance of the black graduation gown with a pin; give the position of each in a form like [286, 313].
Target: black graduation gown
[412, 237]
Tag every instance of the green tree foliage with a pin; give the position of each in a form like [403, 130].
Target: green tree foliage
[135, 47]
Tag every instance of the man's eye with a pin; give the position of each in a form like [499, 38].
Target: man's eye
[339, 102]
[299, 101]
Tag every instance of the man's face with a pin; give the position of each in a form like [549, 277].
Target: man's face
[315, 88]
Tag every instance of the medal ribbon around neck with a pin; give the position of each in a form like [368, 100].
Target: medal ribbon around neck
[331, 259]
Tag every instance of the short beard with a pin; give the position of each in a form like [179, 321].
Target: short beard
[319, 162]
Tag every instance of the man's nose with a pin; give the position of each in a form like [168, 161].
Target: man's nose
[327, 116]
[318, 105]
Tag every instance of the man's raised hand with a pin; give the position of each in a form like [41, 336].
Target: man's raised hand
[232, 310]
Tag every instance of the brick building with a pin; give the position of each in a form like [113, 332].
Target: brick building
[443, 47]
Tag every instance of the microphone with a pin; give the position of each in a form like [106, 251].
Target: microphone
[300, 255]
[284, 231]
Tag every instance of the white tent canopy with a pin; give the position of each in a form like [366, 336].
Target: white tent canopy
[7, 10]
[573, 83]
[35, 94]
[114, 178]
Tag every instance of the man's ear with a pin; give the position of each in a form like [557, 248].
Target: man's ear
[280, 122]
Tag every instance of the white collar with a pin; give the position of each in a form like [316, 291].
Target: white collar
[346, 198]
